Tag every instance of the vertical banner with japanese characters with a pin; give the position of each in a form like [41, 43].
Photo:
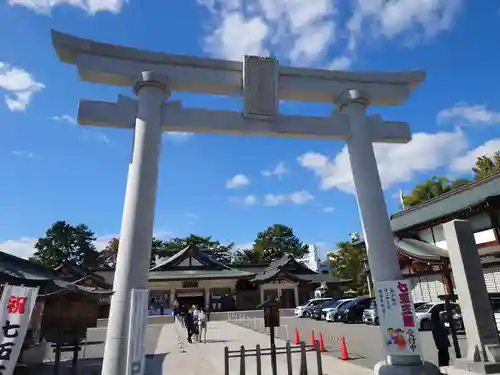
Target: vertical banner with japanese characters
[136, 344]
[16, 307]
[397, 317]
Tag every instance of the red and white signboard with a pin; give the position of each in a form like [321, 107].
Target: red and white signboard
[397, 317]
[15, 312]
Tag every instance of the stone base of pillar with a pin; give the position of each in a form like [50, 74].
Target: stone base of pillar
[424, 368]
[477, 367]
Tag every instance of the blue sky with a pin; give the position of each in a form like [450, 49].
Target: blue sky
[231, 187]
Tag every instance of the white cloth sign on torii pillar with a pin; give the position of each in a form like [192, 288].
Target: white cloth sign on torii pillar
[262, 83]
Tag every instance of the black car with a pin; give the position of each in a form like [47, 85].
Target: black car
[353, 311]
[316, 310]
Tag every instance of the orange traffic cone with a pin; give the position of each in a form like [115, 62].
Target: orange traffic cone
[344, 354]
[313, 339]
[321, 343]
[297, 337]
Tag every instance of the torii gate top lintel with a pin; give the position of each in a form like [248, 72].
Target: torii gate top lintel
[117, 65]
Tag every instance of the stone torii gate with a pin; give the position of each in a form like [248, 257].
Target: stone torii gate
[262, 83]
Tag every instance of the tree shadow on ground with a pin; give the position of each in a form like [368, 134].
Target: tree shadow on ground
[93, 366]
[216, 341]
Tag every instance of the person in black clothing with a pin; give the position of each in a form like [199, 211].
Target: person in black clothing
[440, 336]
[189, 323]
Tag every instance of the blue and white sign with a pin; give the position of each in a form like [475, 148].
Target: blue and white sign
[136, 344]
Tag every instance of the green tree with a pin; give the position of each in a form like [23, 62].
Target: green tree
[218, 251]
[248, 256]
[348, 262]
[486, 166]
[277, 241]
[432, 188]
[64, 242]
[109, 254]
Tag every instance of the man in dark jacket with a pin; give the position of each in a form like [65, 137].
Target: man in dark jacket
[440, 336]
[189, 323]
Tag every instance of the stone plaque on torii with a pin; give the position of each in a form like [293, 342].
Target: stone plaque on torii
[262, 83]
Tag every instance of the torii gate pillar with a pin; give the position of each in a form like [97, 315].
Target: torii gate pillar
[134, 251]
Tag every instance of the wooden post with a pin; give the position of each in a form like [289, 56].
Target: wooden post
[258, 359]
[226, 361]
[274, 366]
[289, 358]
[242, 360]
[318, 359]
[303, 359]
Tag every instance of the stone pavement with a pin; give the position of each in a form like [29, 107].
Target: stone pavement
[208, 359]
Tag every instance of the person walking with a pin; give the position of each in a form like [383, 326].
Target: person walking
[440, 336]
[189, 323]
[196, 318]
[202, 323]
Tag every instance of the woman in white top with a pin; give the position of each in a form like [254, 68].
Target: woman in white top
[202, 323]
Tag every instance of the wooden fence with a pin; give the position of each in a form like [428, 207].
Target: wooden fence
[287, 350]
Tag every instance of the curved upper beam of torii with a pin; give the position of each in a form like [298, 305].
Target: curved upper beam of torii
[115, 65]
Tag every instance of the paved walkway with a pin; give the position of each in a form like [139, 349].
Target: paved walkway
[208, 359]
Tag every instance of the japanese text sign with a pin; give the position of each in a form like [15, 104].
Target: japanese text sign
[15, 312]
[397, 317]
[136, 346]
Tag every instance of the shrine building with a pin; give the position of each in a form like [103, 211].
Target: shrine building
[193, 277]
[421, 246]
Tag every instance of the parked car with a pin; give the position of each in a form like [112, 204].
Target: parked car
[370, 315]
[300, 310]
[316, 310]
[424, 311]
[308, 312]
[330, 313]
[353, 312]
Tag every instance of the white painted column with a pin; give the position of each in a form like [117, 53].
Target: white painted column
[261, 294]
[138, 217]
[296, 294]
[371, 203]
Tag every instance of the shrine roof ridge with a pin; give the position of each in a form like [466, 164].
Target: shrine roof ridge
[69, 47]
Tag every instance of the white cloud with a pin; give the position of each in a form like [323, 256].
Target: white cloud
[328, 209]
[304, 31]
[392, 18]
[466, 162]
[237, 181]
[278, 171]
[24, 246]
[191, 215]
[396, 163]
[20, 87]
[23, 154]
[94, 135]
[243, 246]
[90, 6]
[341, 63]
[64, 118]
[299, 197]
[177, 137]
[299, 29]
[464, 114]
[250, 200]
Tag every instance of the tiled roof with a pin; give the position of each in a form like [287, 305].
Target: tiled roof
[198, 274]
[20, 270]
[455, 201]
